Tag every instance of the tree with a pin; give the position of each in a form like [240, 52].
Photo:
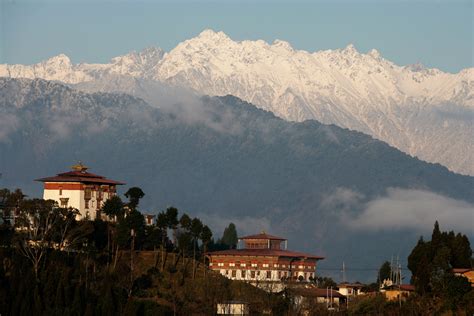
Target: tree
[431, 262]
[384, 272]
[324, 282]
[185, 221]
[134, 195]
[162, 224]
[172, 220]
[135, 221]
[206, 235]
[229, 237]
[196, 230]
[36, 222]
[113, 207]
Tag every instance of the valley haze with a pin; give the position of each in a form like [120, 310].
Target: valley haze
[226, 160]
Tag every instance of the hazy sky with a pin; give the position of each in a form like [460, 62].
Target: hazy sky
[436, 33]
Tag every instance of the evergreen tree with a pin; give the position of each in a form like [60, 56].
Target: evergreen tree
[229, 237]
[134, 195]
[113, 207]
[384, 272]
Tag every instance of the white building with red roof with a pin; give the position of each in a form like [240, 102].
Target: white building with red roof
[265, 261]
[80, 189]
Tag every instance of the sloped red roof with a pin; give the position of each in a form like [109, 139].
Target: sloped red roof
[264, 252]
[262, 236]
[79, 176]
[461, 270]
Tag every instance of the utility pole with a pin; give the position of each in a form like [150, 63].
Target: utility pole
[400, 285]
[343, 272]
[132, 246]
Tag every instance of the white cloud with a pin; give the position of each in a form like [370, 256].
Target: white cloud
[414, 210]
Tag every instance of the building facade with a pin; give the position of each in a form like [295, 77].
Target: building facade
[264, 261]
[81, 190]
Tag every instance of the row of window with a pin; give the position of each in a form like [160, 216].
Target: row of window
[264, 265]
[268, 274]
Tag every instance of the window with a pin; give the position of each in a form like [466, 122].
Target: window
[265, 265]
[87, 194]
[87, 204]
[220, 264]
[64, 201]
[242, 264]
[231, 264]
[60, 190]
[234, 273]
[252, 274]
[275, 265]
[210, 264]
[254, 265]
[269, 274]
[242, 273]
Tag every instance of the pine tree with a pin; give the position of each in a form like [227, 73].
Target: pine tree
[229, 237]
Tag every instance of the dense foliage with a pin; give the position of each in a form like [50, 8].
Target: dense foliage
[55, 265]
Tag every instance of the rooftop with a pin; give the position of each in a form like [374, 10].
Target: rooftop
[265, 253]
[262, 235]
[79, 174]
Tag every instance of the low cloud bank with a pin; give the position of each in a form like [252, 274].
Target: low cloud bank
[399, 209]
[416, 210]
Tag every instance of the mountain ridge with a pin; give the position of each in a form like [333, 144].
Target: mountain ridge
[223, 159]
[424, 112]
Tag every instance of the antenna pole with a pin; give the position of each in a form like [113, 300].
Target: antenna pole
[343, 272]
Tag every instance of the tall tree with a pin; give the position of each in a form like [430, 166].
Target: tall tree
[206, 235]
[384, 272]
[172, 220]
[113, 207]
[229, 237]
[162, 224]
[196, 230]
[134, 195]
[431, 262]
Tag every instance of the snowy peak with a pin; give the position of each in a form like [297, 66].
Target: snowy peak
[60, 60]
[350, 50]
[419, 110]
[211, 35]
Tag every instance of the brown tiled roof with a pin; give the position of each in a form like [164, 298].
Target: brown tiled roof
[79, 176]
[461, 270]
[264, 252]
[262, 236]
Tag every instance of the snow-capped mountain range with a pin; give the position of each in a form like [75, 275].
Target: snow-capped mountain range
[424, 112]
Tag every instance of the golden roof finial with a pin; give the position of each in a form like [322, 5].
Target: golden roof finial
[79, 167]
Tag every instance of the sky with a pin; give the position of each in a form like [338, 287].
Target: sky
[435, 33]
